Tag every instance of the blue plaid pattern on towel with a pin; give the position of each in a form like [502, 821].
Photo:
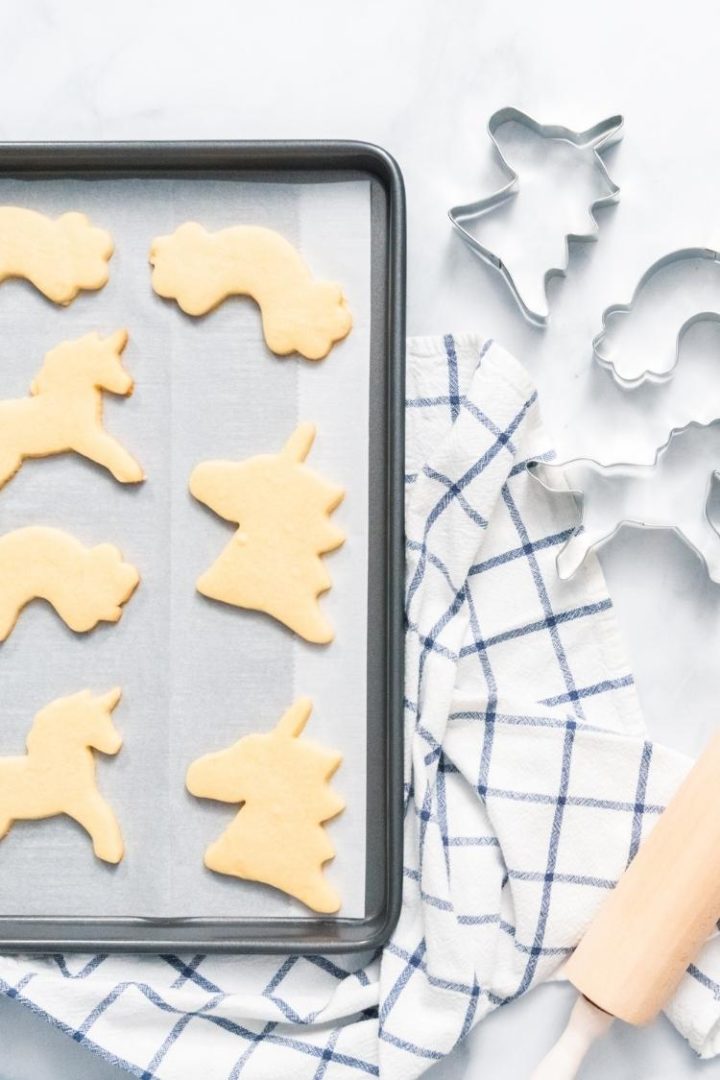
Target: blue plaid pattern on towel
[529, 783]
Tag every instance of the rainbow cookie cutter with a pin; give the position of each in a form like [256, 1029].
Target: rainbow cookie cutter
[627, 345]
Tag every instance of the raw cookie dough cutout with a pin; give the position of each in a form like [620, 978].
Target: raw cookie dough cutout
[200, 269]
[282, 508]
[57, 775]
[60, 257]
[84, 585]
[277, 836]
[65, 409]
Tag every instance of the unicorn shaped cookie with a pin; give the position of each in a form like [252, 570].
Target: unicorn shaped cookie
[58, 257]
[282, 508]
[200, 269]
[84, 585]
[277, 836]
[64, 410]
[57, 774]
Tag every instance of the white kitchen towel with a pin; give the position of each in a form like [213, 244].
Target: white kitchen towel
[529, 785]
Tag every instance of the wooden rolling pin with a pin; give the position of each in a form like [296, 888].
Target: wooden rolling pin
[652, 924]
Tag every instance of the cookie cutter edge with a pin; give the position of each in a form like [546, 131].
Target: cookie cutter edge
[600, 136]
[650, 376]
[626, 522]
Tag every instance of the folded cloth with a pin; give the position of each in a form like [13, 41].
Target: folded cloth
[529, 784]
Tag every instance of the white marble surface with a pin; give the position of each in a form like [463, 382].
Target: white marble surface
[421, 77]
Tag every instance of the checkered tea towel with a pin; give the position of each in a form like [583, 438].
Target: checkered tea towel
[529, 785]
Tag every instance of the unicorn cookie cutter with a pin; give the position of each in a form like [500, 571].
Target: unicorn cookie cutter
[672, 492]
[640, 341]
[577, 150]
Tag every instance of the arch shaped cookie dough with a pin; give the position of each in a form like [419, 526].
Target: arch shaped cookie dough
[277, 836]
[282, 508]
[200, 269]
[84, 585]
[60, 257]
[64, 411]
[57, 774]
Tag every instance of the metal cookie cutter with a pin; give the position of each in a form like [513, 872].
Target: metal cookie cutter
[640, 341]
[576, 151]
[670, 493]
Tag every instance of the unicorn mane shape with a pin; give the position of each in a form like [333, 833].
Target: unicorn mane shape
[57, 775]
[64, 411]
[201, 269]
[84, 585]
[59, 257]
[282, 507]
[277, 836]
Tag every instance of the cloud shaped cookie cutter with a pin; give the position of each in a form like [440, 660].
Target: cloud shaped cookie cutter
[637, 495]
[593, 141]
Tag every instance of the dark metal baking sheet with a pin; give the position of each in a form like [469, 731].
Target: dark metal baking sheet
[311, 162]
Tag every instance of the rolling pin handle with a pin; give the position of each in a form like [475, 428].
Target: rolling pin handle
[586, 1024]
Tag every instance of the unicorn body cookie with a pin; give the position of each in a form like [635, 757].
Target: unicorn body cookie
[59, 257]
[64, 410]
[282, 507]
[57, 775]
[277, 836]
[84, 585]
[201, 269]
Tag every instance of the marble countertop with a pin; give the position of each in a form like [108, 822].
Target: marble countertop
[421, 78]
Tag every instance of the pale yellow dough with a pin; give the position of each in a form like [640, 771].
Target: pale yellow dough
[277, 836]
[84, 585]
[282, 507]
[200, 269]
[60, 257]
[57, 775]
[65, 409]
